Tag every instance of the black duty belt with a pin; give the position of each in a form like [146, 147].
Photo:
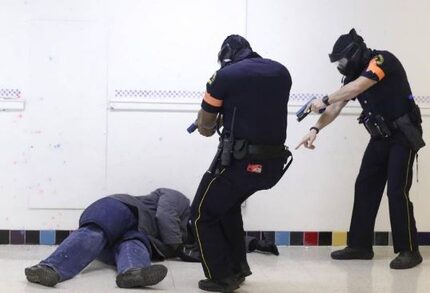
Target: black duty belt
[271, 152]
[267, 151]
[242, 150]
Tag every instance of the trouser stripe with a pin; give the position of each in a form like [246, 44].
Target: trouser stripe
[197, 230]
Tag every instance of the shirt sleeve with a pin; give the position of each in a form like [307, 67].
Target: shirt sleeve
[214, 95]
[170, 210]
[377, 68]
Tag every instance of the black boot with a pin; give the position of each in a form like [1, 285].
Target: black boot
[267, 246]
[352, 253]
[42, 275]
[406, 260]
[223, 285]
[141, 277]
[243, 272]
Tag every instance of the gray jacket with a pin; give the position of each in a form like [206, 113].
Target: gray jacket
[163, 216]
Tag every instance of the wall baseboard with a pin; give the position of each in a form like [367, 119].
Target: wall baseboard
[286, 238]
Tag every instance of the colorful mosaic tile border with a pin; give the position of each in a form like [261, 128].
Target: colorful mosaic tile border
[293, 238]
[139, 93]
[44, 237]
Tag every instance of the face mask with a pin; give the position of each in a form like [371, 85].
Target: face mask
[350, 66]
[342, 65]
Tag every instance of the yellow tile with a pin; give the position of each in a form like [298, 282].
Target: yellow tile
[339, 238]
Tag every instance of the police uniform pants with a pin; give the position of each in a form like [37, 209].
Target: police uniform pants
[217, 218]
[384, 161]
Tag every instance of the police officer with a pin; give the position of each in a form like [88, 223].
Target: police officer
[377, 79]
[251, 94]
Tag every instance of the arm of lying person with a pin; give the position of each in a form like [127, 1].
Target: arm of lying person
[171, 216]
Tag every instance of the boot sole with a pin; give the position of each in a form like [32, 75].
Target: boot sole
[353, 258]
[45, 277]
[211, 289]
[410, 266]
[142, 277]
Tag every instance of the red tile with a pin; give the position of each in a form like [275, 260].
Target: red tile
[310, 238]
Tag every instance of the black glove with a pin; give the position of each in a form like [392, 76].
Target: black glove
[189, 253]
[267, 246]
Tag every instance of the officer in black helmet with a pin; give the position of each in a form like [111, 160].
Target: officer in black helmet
[251, 94]
[377, 79]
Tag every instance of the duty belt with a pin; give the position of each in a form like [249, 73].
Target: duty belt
[242, 150]
[267, 151]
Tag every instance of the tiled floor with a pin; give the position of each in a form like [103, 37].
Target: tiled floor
[296, 270]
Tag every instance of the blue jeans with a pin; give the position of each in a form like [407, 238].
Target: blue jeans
[89, 242]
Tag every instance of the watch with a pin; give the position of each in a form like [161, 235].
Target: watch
[325, 100]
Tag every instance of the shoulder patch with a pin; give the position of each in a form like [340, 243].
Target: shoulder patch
[212, 79]
[379, 59]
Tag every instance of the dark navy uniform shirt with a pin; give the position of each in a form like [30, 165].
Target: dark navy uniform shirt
[390, 96]
[259, 89]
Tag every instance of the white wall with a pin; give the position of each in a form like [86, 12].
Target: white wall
[107, 89]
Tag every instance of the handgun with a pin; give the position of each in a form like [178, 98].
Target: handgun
[192, 127]
[305, 110]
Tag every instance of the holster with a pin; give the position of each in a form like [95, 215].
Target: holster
[411, 131]
[375, 125]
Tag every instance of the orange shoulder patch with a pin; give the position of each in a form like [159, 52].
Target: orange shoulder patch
[212, 101]
[374, 67]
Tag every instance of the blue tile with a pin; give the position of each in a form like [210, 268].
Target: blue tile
[47, 237]
[282, 238]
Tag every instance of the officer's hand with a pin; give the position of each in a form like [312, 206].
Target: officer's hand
[317, 106]
[308, 140]
[206, 123]
[206, 131]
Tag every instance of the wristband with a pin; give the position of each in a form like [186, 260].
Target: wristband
[325, 101]
[315, 128]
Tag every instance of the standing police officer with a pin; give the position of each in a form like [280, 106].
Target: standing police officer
[392, 118]
[251, 95]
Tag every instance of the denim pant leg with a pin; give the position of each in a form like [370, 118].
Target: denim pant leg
[76, 251]
[131, 254]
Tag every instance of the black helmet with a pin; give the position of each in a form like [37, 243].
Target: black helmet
[233, 49]
[350, 51]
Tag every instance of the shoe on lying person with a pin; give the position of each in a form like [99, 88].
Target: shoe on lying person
[352, 253]
[141, 277]
[406, 260]
[42, 275]
[223, 285]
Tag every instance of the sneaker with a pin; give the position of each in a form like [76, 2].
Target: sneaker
[42, 275]
[352, 253]
[224, 285]
[406, 260]
[141, 277]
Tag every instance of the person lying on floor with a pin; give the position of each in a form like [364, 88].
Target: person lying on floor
[125, 231]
